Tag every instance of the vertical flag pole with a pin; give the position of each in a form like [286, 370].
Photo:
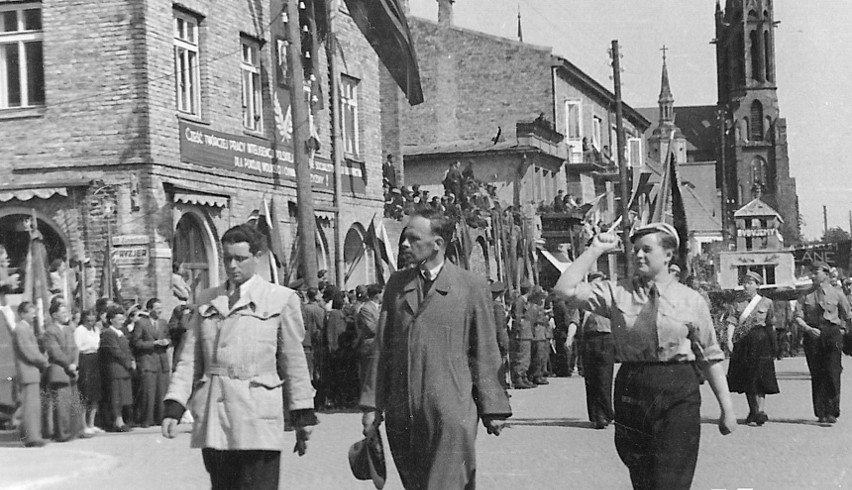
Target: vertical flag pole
[626, 225]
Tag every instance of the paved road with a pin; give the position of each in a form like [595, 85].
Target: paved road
[549, 445]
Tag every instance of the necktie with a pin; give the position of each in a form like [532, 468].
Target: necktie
[651, 311]
[233, 297]
[427, 281]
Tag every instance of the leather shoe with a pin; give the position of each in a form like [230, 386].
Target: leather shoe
[761, 418]
[831, 419]
[541, 381]
[36, 443]
[601, 424]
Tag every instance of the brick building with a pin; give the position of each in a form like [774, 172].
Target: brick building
[163, 124]
[531, 123]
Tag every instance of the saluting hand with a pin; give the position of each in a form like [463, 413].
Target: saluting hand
[605, 241]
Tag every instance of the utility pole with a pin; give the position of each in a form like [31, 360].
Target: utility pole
[336, 141]
[301, 133]
[824, 220]
[626, 225]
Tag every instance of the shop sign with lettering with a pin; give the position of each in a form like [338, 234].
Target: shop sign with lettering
[135, 256]
[755, 232]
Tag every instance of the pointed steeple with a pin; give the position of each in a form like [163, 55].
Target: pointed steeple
[520, 31]
[666, 100]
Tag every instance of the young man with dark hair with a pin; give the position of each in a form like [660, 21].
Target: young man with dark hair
[30, 363]
[150, 342]
[243, 348]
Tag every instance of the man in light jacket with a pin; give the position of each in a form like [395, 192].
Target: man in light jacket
[243, 348]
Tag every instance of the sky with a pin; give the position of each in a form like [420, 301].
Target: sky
[813, 67]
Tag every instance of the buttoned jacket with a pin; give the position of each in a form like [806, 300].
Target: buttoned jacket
[236, 363]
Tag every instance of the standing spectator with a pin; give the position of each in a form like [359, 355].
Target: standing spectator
[453, 181]
[435, 368]
[751, 338]
[118, 364]
[501, 322]
[61, 377]
[540, 345]
[243, 357]
[30, 363]
[822, 314]
[88, 340]
[598, 361]
[522, 336]
[314, 315]
[335, 329]
[565, 321]
[389, 178]
[150, 342]
[368, 321]
[559, 202]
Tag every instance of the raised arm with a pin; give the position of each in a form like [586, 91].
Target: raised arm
[575, 273]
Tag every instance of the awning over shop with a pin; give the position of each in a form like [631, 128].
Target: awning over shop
[556, 258]
[27, 194]
[200, 199]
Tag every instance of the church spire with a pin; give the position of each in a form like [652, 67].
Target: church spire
[666, 100]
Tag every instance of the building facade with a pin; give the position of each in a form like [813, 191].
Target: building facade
[160, 125]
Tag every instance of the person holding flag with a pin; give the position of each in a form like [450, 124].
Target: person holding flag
[664, 337]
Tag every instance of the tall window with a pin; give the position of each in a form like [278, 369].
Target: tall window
[252, 93]
[634, 153]
[756, 123]
[574, 130]
[187, 77]
[596, 132]
[349, 114]
[755, 55]
[767, 53]
[21, 59]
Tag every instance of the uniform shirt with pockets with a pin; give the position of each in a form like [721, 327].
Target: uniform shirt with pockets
[825, 306]
[639, 338]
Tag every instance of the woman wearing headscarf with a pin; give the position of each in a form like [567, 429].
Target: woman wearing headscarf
[751, 338]
[665, 339]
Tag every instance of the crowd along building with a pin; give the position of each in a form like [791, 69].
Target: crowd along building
[149, 128]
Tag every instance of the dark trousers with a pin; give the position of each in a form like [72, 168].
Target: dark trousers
[823, 356]
[242, 470]
[521, 352]
[657, 415]
[65, 412]
[30, 427]
[539, 355]
[598, 359]
[149, 399]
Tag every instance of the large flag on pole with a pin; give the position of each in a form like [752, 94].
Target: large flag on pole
[384, 25]
[669, 207]
[36, 283]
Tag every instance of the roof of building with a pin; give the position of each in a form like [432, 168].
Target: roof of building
[756, 208]
[696, 123]
[633, 115]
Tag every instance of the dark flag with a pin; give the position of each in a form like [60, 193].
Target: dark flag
[384, 25]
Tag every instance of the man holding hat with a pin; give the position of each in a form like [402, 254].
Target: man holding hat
[822, 316]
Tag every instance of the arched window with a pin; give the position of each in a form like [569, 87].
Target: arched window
[190, 252]
[744, 134]
[767, 57]
[758, 172]
[754, 48]
[756, 122]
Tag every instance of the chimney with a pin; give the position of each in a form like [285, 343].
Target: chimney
[445, 12]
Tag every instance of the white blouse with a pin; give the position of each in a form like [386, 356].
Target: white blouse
[87, 340]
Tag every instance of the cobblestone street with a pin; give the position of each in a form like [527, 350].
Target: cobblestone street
[549, 444]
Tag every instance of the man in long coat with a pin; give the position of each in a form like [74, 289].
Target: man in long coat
[435, 370]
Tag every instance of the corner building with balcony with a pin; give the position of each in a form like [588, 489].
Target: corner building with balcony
[162, 124]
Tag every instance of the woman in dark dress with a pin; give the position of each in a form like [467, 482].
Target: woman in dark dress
[752, 337]
[118, 365]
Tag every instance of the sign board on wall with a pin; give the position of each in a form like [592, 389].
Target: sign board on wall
[252, 156]
[134, 256]
[122, 240]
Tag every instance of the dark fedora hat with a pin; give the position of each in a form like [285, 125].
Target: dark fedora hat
[367, 460]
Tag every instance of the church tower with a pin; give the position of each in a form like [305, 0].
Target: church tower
[658, 141]
[755, 143]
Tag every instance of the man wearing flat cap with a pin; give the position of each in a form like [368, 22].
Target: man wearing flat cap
[822, 315]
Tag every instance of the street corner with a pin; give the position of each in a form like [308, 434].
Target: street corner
[49, 466]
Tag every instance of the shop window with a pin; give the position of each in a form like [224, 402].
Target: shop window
[21, 56]
[187, 74]
[189, 255]
[251, 86]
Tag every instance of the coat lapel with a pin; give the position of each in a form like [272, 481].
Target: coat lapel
[443, 283]
[410, 292]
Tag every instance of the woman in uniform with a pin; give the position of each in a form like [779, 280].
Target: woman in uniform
[751, 338]
[664, 337]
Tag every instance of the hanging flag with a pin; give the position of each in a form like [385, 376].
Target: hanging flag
[520, 32]
[36, 283]
[384, 25]
[313, 25]
[373, 240]
[669, 207]
[387, 252]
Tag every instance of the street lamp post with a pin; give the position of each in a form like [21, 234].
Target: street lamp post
[107, 209]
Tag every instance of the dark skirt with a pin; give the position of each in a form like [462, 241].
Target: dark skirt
[752, 367]
[90, 378]
[120, 393]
